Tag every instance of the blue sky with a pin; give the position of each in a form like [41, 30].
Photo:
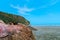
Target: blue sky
[38, 12]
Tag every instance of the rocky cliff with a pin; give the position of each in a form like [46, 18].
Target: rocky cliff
[15, 32]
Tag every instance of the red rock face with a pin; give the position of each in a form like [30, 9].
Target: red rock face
[13, 28]
[3, 30]
[0, 29]
[20, 31]
[17, 28]
[24, 33]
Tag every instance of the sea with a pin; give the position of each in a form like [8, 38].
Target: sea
[47, 33]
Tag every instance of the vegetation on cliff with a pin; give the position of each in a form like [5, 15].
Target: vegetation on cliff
[7, 18]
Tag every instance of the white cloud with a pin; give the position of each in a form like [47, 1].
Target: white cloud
[51, 3]
[22, 10]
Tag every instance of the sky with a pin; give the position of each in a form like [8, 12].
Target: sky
[38, 12]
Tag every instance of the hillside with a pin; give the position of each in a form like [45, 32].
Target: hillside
[7, 18]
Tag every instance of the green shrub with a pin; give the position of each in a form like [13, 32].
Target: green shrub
[7, 18]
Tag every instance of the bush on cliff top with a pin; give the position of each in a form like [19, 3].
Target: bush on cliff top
[7, 18]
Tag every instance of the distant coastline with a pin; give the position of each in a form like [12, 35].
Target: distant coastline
[45, 25]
